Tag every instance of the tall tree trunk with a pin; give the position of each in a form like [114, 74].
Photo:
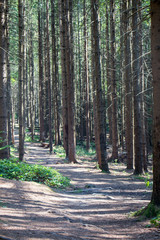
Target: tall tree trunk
[55, 79]
[122, 85]
[41, 73]
[109, 108]
[86, 76]
[68, 76]
[100, 135]
[113, 83]
[64, 76]
[144, 146]
[9, 102]
[3, 84]
[32, 85]
[21, 78]
[155, 46]
[136, 91]
[46, 97]
[128, 87]
[70, 84]
[49, 77]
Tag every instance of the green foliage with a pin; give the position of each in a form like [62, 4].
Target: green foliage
[2, 204]
[152, 212]
[28, 138]
[59, 150]
[146, 178]
[156, 221]
[82, 151]
[12, 169]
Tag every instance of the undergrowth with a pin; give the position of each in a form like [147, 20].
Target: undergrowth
[147, 178]
[28, 138]
[80, 151]
[12, 169]
[59, 150]
[151, 212]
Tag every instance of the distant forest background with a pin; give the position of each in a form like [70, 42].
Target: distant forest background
[78, 72]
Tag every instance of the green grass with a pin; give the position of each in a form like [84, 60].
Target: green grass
[12, 169]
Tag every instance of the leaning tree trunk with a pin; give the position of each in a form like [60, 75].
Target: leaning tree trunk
[155, 45]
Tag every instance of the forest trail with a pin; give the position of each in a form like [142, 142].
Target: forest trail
[96, 207]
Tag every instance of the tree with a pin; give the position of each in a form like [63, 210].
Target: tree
[41, 75]
[3, 85]
[86, 77]
[55, 78]
[113, 82]
[9, 103]
[68, 77]
[136, 91]
[109, 108]
[48, 76]
[155, 48]
[128, 86]
[21, 79]
[31, 82]
[97, 88]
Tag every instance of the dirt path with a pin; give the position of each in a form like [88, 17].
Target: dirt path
[95, 208]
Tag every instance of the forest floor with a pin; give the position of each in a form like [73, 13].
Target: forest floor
[95, 207]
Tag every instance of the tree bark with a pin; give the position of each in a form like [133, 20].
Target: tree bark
[108, 68]
[20, 79]
[155, 49]
[97, 88]
[41, 73]
[55, 79]
[136, 91]
[86, 77]
[49, 76]
[113, 83]
[3, 86]
[31, 83]
[128, 87]
[9, 102]
[68, 76]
